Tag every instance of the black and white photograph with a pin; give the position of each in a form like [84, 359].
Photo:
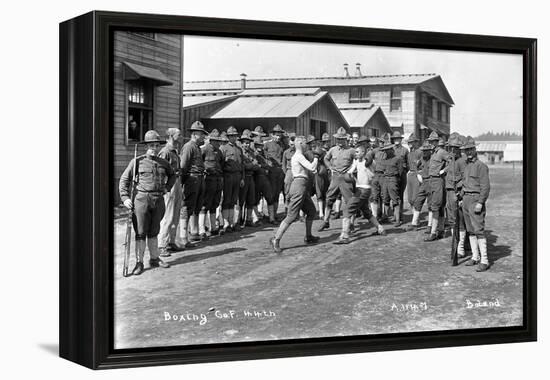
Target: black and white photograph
[268, 190]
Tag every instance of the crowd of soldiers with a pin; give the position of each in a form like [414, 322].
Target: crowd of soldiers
[218, 183]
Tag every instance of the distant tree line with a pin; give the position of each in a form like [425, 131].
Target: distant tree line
[500, 136]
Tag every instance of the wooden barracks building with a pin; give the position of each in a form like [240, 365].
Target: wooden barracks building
[148, 89]
[369, 104]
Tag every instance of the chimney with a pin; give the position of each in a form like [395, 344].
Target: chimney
[346, 72]
[243, 81]
[358, 70]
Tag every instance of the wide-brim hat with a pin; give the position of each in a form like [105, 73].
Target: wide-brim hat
[341, 134]
[469, 143]
[197, 126]
[325, 137]
[310, 139]
[259, 131]
[387, 146]
[245, 137]
[433, 136]
[215, 135]
[152, 137]
[277, 129]
[232, 131]
[441, 142]
[426, 146]
[396, 135]
[363, 139]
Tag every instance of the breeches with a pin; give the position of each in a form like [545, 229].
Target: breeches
[212, 193]
[148, 212]
[475, 222]
[299, 200]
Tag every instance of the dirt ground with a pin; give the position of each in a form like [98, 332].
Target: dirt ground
[234, 288]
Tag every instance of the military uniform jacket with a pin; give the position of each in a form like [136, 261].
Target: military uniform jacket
[455, 173]
[339, 159]
[154, 175]
[393, 167]
[274, 152]
[213, 160]
[403, 153]
[476, 180]
[423, 168]
[191, 159]
[249, 161]
[438, 161]
[263, 163]
[233, 158]
[170, 154]
[377, 156]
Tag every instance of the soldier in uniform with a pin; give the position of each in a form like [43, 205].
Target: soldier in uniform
[439, 160]
[322, 177]
[192, 169]
[173, 199]
[274, 151]
[354, 139]
[393, 170]
[424, 193]
[363, 141]
[453, 186]
[475, 189]
[233, 179]
[338, 160]
[213, 166]
[377, 156]
[403, 153]
[414, 155]
[300, 199]
[262, 184]
[155, 177]
[258, 135]
[247, 194]
[362, 173]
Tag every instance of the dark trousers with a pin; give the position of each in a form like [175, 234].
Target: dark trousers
[413, 187]
[338, 186]
[475, 222]
[231, 186]
[424, 194]
[451, 210]
[148, 212]
[193, 195]
[360, 202]
[247, 194]
[276, 178]
[376, 186]
[390, 191]
[213, 187]
[322, 183]
[437, 190]
[263, 189]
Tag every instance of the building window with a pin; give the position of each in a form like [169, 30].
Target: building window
[439, 111]
[317, 128]
[140, 109]
[395, 102]
[150, 36]
[359, 95]
[374, 132]
[428, 106]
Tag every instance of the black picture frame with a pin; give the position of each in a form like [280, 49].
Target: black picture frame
[86, 270]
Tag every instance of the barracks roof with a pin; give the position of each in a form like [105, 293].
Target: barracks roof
[357, 115]
[430, 82]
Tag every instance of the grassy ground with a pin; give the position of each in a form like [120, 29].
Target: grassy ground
[233, 288]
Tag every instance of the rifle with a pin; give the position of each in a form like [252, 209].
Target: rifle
[129, 222]
[456, 227]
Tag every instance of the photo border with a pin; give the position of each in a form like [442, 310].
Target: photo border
[86, 165]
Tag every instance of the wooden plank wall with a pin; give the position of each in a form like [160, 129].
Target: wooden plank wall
[323, 110]
[163, 53]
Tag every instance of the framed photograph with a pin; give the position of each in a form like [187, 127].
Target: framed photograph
[236, 189]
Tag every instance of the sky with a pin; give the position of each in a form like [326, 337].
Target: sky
[486, 87]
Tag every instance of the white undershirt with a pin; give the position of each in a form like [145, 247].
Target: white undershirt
[364, 174]
[300, 165]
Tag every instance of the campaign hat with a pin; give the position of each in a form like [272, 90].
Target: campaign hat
[197, 126]
[152, 136]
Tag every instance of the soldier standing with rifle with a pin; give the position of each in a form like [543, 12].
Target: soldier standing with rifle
[247, 194]
[412, 176]
[475, 189]
[263, 187]
[300, 199]
[155, 177]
